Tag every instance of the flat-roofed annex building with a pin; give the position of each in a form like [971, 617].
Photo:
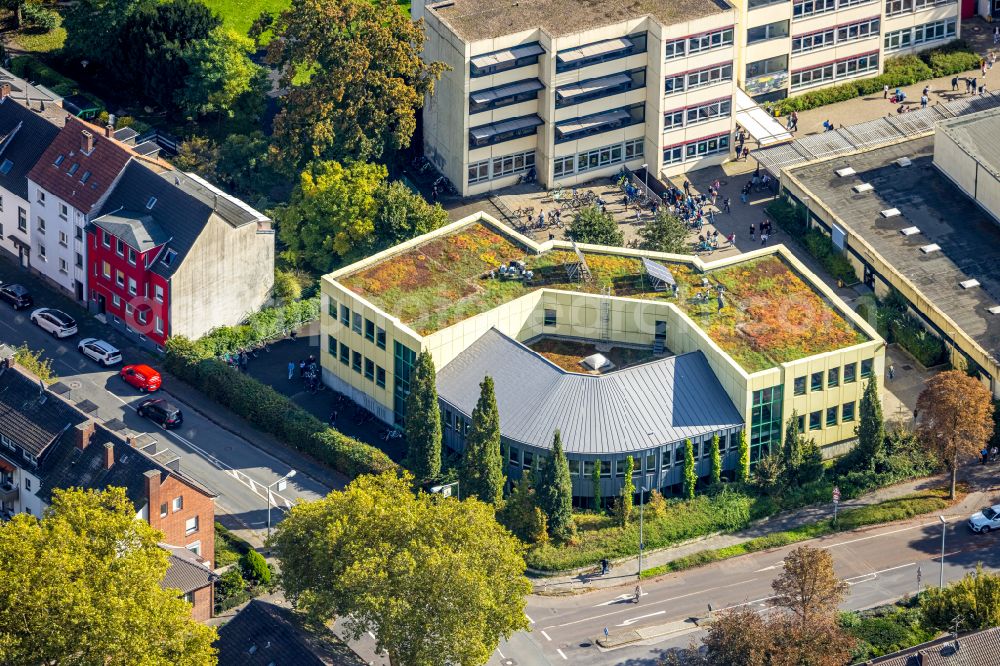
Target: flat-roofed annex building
[741, 344]
[577, 88]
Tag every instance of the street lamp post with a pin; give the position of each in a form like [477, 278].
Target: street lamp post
[279, 482]
[944, 526]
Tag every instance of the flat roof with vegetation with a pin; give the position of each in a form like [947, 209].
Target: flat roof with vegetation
[770, 315]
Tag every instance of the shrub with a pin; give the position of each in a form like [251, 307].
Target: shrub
[230, 590]
[39, 17]
[272, 412]
[254, 567]
[792, 220]
[286, 287]
[29, 68]
[228, 546]
[925, 347]
[952, 58]
[34, 363]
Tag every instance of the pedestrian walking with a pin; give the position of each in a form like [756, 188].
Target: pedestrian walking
[763, 240]
[923, 101]
[726, 204]
[885, 91]
[954, 83]
[302, 368]
[291, 369]
[753, 232]
[927, 91]
[892, 371]
[746, 153]
[983, 455]
[687, 188]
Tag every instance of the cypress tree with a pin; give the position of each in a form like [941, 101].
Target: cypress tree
[555, 492]
[871, 428]
[690, 475]
[595, 479]
[791, 449]
[628, 492]
[716, 458]
[743, 464]
[482, 465]
[423, 421]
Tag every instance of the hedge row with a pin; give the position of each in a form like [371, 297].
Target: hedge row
[953, 58]
[816, 243]
[32, 69]
[272, 412]
[267, 324]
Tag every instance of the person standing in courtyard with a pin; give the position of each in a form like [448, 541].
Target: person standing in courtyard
[291, 370]
[885, 91]
[954, 84]
[923, 101]
[753, 232]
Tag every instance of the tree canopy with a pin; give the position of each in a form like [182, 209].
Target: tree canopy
[220, 73]
[975, 599]
[555, 493]
[354, 76]
[435, 580]
[871, 428]
[81, 585]
[592, 225]
[808, 585]
[481, 473]
[665, 233]
[423, 420]
[955, 418]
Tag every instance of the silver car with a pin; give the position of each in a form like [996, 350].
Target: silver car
[56, 322]
[100, 351]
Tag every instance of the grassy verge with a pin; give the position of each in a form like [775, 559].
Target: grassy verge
[900, 508]
[228, 546]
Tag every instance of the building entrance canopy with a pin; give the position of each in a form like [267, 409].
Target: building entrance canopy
[761, 125]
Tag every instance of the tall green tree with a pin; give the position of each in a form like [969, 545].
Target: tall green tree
[522, 515]
[331, 215]
[871, 426]
[93, 28]
[592, 225]
[423, 421]
[355, 78]
[715, 475]
[625, 502]
[690, 473]
[555, 492]
[219, 74]
[595, 480]
[743, 459]
[791, 449]
[81, 585]
[402, 215]
[481, 473]
[665, 233]
[435, 580]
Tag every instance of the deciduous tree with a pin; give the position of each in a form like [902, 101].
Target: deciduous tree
[522, 515]
[435, 580]
[355, 78]
[808, 587]
[625, 502]
[975, 599]
[665, 233]
[219, 73]
[871, 427]
[743, 459]
[555, 492]
[737, 637]
[955, 415]
[690, 473]
[592, 225]
[402, 215]
[423, 421]
[482, 464]
[93, 27]
[82, 584]
[715, 474]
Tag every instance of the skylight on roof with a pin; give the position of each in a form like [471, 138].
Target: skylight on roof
[891, 212]
[904, 162]
[168, 258]
[59, 160]
[6, 167]
[863, 187]
[910, 231]
[73, 169]
[969, 284]
[150, 203]
[933, 247]
[846, 171]
[85, 177]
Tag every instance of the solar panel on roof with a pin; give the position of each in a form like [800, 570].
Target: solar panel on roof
[658, 271]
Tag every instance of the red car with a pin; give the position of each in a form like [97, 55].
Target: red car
[142, 377]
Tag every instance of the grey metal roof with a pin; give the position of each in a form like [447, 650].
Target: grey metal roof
[979, 136]
[140, 232]
[633, 409]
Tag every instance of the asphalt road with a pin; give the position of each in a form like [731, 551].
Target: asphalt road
[228, 464]
[880, 565]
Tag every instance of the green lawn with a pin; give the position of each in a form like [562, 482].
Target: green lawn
[35, 41]
[240, 14]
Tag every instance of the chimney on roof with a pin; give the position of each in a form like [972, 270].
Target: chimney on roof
[83, 433]
[86, 142]
[153, 495]
[109, 454]
[4, 91]
[108, 130]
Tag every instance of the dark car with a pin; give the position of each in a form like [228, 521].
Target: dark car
[160, 411]
[17, 295]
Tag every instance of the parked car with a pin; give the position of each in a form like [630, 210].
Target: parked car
[56, 322]
[165, 413]
[17, 295]
[142, 377]
[100, 351]
[988, 519]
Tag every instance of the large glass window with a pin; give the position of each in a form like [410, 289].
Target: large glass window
[598, 52]
[765, 421]
[800, 385]
[600, 87]
[847, 412]
[762, 33]
[808, 8]
[857, 31]
[831, 416]
[598, 158]
[712, 40]
[833, 377]
[813, 41]
[598, 123]
[404, 358]
[850, 373]
[866, 368]
[505, 95]
[501, 61]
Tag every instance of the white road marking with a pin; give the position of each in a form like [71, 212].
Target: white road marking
[562, 654]
[772, 567]
[529, 618]
[628, 610]
[875, 536]
[372, 635]
[750, 603]
[869, 577]
[500, 653]
[633, 620]
[620, 598]
[546, 635]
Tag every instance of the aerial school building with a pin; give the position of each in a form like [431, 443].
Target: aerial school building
[626, 352]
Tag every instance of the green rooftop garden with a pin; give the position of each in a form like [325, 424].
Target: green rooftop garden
[769, 315]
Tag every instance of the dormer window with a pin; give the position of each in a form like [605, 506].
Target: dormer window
[150, 203]
[169, 257]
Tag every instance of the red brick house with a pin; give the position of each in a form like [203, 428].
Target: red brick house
[169, 254]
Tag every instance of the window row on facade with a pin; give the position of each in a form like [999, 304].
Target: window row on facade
[831, 378]
[830, 417]
[600, 87]
[599, 52]
[498, 167]
[696, 149]
[599, 123]
[897, 7]
[841, 34]
[525, 90]
[709, 76]
[355, 322]
[692, 115]
[920, 34]
[832, 71]
[598, 158]
[805, 8]
[689, 46]
[356, 361]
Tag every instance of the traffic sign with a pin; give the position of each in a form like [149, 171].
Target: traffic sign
[836, 494]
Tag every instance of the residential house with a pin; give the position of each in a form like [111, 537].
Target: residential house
[47, 443]
[24, 136]
[194, 579]
[170, 254]
[978, 648]
[268, 634]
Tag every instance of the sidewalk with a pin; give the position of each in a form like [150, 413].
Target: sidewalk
[624, 572]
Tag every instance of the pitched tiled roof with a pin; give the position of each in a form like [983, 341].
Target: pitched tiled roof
[138, 231]
[26, 136]
[30, 417]
[79, 178]
[264, 634]
[981, 648]
[186, 572]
